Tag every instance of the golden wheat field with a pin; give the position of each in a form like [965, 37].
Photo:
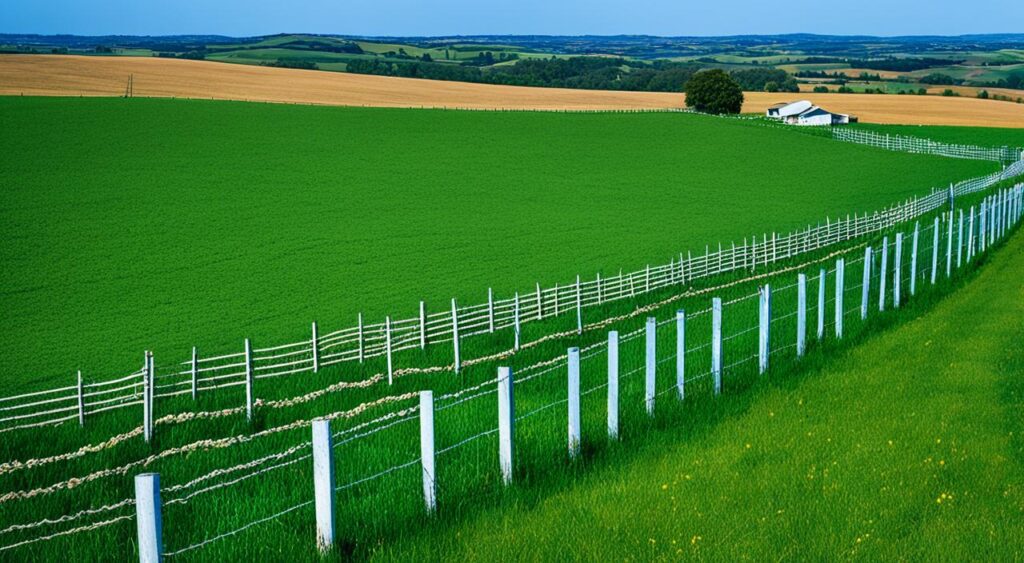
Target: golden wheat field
[63, 75]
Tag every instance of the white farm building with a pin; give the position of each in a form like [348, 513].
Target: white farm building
[804, 112]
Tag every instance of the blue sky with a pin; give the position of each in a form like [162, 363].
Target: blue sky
[546, 17]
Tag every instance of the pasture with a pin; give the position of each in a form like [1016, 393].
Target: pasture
[157, 224]
[908, 446]
[156, 77]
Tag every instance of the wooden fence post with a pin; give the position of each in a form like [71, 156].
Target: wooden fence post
[651, 365]
[897, 269]
[579, 307]
[913, 261]
[195, 372]
[506, 422]
[949, 247]
[81, 400]
[865, 284]
[821, 303]
[882, 272]
[148, 519]
[613, 384]
[801, 315]
[387, 347]
[323, 484]
[840, 293]
[574, 401]
[248, 380]
[681, 353]
[455, 336]
[764, 318]
[716, 343]
[423, 325]
[316, 352]
[427, 450]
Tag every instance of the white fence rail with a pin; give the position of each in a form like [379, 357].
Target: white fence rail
[903, 143]
[930, 249]
[384, 339]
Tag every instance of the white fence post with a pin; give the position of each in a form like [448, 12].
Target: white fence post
[897, 269]
[801, 315]
[681, 353]
[764, 317]
[882, 272]
[423, 325]
[455, 335]
[913, 261]
[651, 365]
[323, 484]
[949, 247]
[316, 352]
[866, 284]
[248, 380]
[515, 319]
[935, 250]
[821, 303]
[506, 422]
[387, 347]
[574, 401]
[490, 310]
[960, 241]
[81, 400]
[148, 519]
[362, 352]
[427, 450]
[716, 343]
[579, 307]
[840, 292]
[540, 304]
[147, 405]
[613, 384]
[195, 372]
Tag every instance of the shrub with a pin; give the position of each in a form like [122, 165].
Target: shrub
[820, 89]
[714, 91]
[845, 90]
[983, 94]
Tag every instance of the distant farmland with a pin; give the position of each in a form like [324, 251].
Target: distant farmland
[161, 224]
[156, 77]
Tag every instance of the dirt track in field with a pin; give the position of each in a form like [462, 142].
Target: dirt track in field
[57, 75]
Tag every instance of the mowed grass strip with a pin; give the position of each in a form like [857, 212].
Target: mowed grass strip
[141, 224]
[910, 447]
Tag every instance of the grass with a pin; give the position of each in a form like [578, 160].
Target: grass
[158, 224]
[908, 447]
[982, 136]
[387, 510]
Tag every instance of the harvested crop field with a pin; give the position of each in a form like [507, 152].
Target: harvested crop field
[153, 77]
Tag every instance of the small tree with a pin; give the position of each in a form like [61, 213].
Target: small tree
[983, 94]
[821, 89]
[771, 86]
[714, 91]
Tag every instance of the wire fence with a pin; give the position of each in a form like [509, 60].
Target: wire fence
[904, 143]
[754, 333]
[199, 374]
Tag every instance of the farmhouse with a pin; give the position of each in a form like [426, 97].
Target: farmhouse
[804, 112]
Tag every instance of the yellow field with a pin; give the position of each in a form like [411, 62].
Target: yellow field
[56, 75]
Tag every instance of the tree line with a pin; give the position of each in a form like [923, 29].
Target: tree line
[589, 73]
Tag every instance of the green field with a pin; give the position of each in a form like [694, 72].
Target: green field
[160, 224]
[910, 447]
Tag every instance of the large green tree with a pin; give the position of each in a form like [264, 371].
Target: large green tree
[714, 91]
